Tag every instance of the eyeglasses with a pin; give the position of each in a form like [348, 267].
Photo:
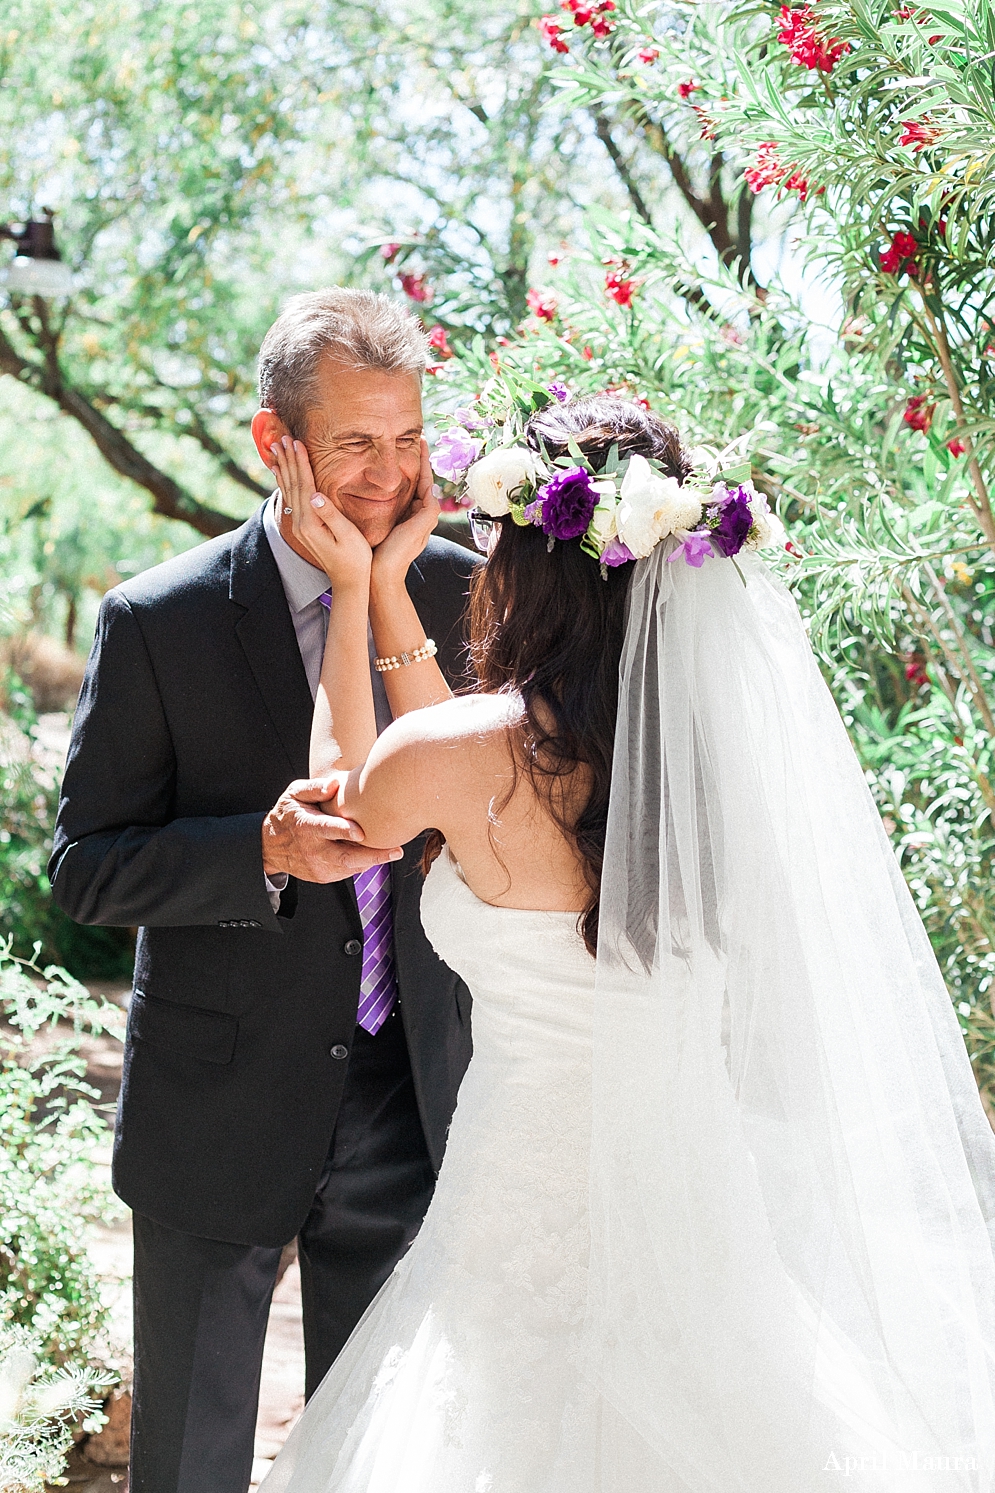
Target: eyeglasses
[484, 530]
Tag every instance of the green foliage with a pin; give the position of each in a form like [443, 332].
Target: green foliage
[52, 1319]
[50, 1183]
[29, 798]
[39, 1407]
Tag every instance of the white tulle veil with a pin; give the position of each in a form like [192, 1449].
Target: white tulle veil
[793, 1179]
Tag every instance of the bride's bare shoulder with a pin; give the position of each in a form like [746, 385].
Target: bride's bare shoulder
[466, 720]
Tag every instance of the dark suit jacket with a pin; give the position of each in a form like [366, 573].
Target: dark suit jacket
[194, 716]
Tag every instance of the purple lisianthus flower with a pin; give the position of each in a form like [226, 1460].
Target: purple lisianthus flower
[559, 391]
[616, 553]
[696, 549]
[735, 522]
[454, 451]
[568, 500]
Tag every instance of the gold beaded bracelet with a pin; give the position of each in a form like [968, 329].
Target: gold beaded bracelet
[401, 660]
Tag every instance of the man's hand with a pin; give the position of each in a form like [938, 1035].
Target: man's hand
[305, 842]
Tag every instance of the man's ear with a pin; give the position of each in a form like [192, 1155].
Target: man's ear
[267, 428]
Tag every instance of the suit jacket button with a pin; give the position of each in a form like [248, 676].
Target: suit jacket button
[352, 946]
[338, 1051]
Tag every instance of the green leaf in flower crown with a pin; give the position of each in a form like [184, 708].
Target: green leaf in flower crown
[611, 463]
[579, 458]
[735, 475]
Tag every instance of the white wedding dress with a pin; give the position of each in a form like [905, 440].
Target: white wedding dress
[463, 1376]
[717, 1213]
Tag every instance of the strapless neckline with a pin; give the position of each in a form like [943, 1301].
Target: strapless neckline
[456, 870]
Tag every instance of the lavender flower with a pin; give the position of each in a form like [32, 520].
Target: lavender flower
[568, 500]
[616, 553]
[559, 391]
[454, 452]
[696, 549]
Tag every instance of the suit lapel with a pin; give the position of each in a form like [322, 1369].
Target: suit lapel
[266, 634]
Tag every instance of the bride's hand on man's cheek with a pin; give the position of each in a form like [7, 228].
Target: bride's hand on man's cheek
[335, 543]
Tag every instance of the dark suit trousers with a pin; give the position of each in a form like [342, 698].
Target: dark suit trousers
[201, 1305]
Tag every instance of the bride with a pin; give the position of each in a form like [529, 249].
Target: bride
[716, 1212]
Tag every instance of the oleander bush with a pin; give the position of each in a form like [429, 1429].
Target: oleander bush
[869, 129]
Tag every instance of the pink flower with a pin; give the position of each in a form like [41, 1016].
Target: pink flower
[684, 90]
[797, 30]
[437, 339]
[649, 56]
[956, 446]
[619, 288]
[918, 414]
[553, 257]
[389, 251]
[550, 29]
[541, 304]
[415, 287]
[587, 354]
[918, 133]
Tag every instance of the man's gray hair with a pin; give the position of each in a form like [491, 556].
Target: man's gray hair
[357, 328]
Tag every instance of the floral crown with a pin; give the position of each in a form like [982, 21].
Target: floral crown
[619, 513]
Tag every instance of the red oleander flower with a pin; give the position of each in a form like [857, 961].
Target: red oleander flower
[767, 171]
[550, 29]
[956, 446]
[649, 56]
[541, 304]
[389, 252]
[902, 251]
[437, 340]
[685, 90]
[587, 354]
[619, 288]
[415, 287]
[808, 47]
[919, 133]
[915, 669]
[709, 126]
[553, 257]
[918, 413]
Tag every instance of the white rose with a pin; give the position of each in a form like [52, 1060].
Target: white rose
[604, 522]
[651, 507]
[493, 480]
[768, 528]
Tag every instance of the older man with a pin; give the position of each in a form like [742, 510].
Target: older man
[294, 1045]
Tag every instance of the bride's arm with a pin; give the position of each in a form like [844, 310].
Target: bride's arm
[396, 625]
[406, 784]
[341, 734]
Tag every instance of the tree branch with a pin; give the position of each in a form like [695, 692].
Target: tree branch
[603, 130]
[169, 498]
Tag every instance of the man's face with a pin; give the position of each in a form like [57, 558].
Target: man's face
[364, 439]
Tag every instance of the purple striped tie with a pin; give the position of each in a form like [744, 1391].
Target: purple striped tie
[378, 985]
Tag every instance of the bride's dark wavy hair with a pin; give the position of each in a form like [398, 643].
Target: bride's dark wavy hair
[548, 627]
